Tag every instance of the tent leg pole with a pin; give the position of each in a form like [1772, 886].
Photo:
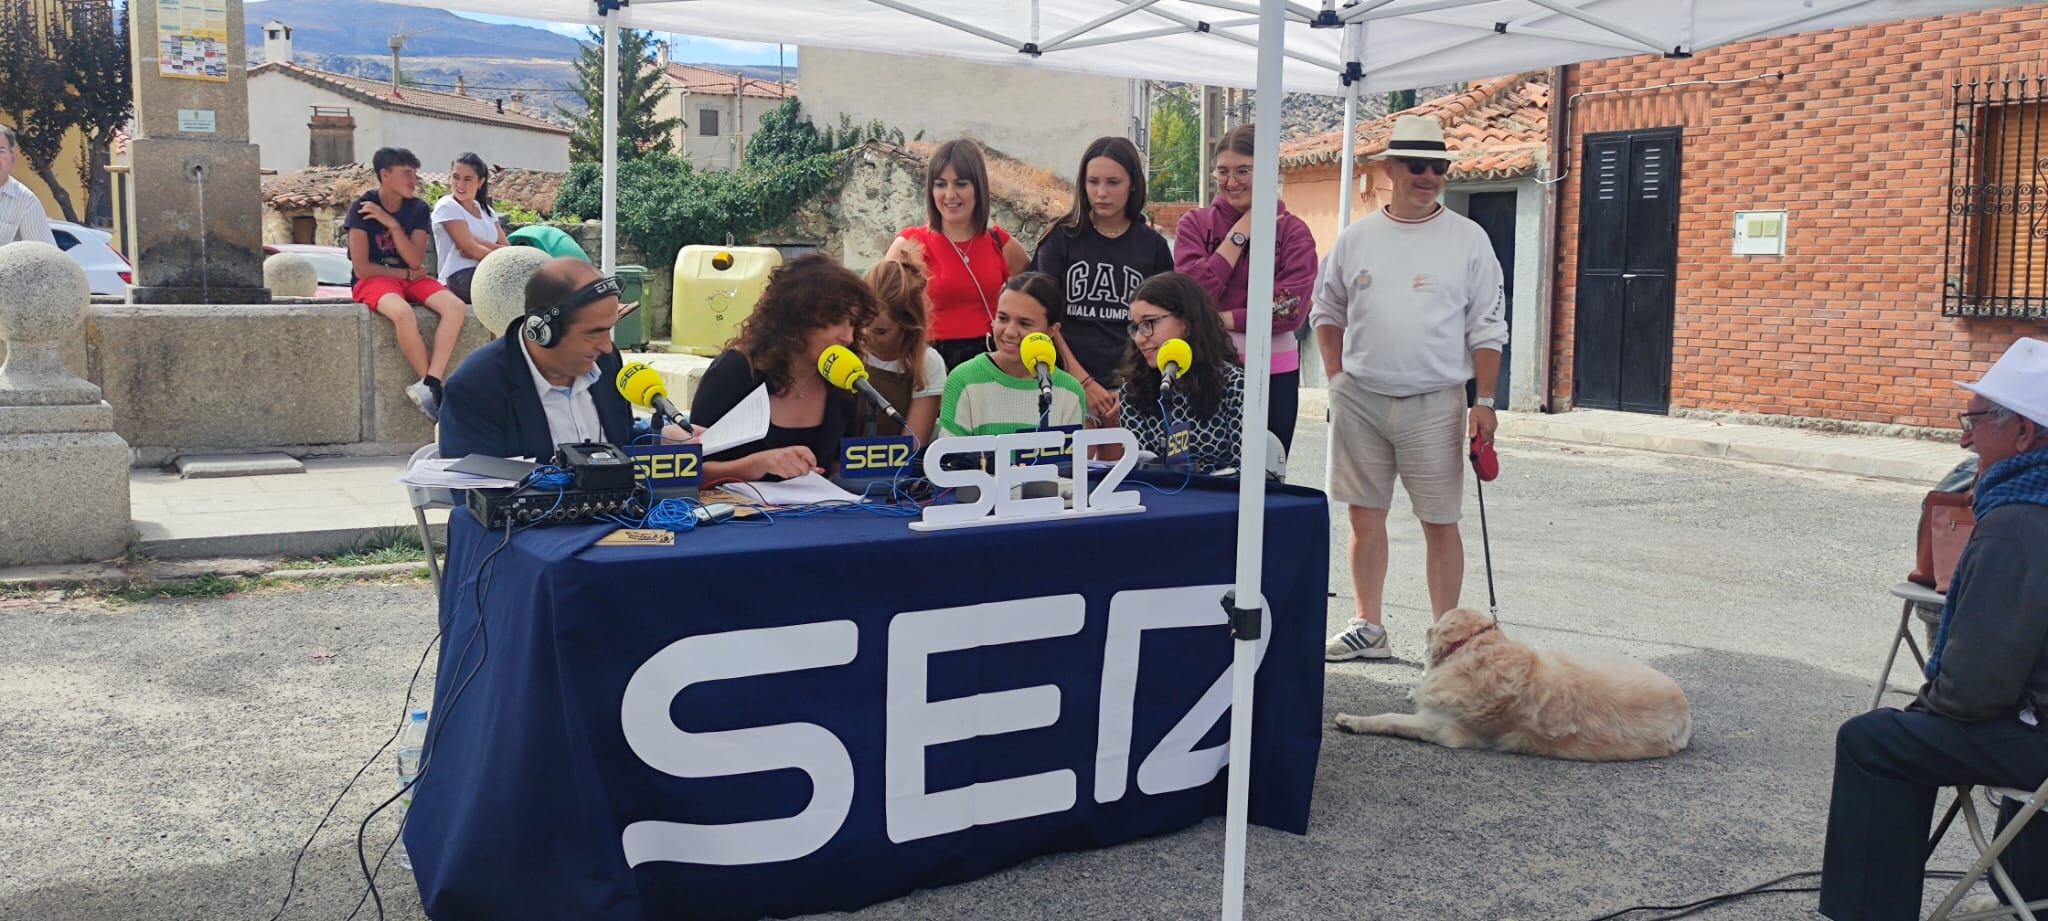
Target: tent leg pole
[609, 255]
[1251, 496]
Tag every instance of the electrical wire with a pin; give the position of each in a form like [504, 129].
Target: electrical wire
[482, 633]
[1763, 888]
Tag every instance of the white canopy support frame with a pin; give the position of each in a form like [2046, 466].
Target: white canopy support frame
[1294, 48]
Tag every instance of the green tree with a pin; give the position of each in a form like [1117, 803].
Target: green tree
[1176, 149]
[1400, 100]
[97, 64]
[642, 87]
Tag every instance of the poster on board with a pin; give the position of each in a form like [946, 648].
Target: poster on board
[192, 39]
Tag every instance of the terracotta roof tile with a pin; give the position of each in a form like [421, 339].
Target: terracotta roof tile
[1500, 129]
[413, 99]
[693, 79]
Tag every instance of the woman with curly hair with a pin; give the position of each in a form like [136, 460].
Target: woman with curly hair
[811, 304]
[1202, 414]
[907, 370]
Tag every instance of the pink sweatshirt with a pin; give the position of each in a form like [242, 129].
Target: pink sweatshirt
[1294, 277]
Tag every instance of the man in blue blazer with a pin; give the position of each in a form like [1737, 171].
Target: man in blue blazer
[549, 379]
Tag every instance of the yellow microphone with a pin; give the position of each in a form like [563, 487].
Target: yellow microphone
[642, 386]
[1173, 360]
[1040, 358]
[844, 370]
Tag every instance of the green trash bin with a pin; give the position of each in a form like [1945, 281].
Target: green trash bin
[631, 332]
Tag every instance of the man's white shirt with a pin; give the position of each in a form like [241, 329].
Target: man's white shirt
[572, 413]
[21, 215]
[1414, 299]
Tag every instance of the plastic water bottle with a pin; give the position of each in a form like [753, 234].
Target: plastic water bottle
[411, 743]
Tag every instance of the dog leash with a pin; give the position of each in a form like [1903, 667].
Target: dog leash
[1485, 542]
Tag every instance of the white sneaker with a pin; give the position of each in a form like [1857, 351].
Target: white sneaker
[423, 397]
[1359, 641]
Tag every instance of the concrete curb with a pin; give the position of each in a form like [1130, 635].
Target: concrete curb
[347, 572]
[1843, 459]
[293, 544]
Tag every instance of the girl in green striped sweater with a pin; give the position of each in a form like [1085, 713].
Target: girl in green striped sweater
[993, 393]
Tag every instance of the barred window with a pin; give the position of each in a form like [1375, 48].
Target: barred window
[1997, 239]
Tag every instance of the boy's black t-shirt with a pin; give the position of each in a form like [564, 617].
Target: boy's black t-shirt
[413, 215]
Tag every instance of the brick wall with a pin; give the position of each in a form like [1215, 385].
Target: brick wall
[1853, 141]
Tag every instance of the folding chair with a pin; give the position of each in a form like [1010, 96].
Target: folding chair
[1916, 598]
[423, 499]
[1987, 855]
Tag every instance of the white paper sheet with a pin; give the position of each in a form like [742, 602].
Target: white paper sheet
[804, 490]
[745, 424]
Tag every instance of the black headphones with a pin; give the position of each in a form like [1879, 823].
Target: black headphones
[544, 329]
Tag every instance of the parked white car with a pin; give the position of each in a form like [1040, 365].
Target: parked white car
[106, 270]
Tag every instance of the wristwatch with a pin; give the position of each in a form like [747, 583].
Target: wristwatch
[1240, 239]
[1486, 402]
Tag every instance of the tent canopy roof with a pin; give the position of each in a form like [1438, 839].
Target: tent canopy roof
[1408, 43]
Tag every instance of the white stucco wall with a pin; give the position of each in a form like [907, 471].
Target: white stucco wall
[713, 153]
[1044, 118]
[280, 106]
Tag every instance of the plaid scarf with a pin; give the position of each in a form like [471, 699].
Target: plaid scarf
[2022, 480]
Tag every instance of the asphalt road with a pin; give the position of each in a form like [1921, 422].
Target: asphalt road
[166, 760]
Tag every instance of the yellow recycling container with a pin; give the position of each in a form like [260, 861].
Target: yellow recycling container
[716, 288]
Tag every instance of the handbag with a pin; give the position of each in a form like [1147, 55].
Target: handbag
[1926, 569]
[1948, 531]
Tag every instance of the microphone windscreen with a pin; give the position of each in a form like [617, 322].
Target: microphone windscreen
[841, 368]
[1485, 463]
[640, 384]
[1036, 350]
[1176, 352]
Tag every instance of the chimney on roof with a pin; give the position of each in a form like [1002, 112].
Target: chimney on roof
[277, 42]
[461, 86]
[518, 105]
[501, 105]
[397, 45]
[661, 55]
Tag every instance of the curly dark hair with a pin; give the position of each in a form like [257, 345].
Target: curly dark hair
[1203, 384]
[806, 293]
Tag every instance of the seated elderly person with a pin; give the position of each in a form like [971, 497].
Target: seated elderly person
[1977, 720]
[549, 379]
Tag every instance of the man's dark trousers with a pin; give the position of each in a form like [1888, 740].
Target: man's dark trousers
[1889, 767]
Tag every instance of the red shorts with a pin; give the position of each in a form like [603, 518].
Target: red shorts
[369, 291]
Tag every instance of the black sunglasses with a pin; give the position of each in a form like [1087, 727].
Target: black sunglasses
[1417, 167]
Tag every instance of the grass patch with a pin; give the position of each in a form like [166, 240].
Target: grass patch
[184, 589]
[387, 545]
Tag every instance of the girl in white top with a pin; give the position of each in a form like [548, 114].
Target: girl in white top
[466, 229]
[905, 368]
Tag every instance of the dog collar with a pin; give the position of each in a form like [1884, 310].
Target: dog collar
[1461, 643]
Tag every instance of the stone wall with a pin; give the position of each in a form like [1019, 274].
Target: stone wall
[879, 192]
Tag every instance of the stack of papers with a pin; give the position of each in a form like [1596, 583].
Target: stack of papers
[434, 473]
[745, 424]
[808, 489]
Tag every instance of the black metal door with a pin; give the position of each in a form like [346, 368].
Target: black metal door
[1495, 212]
[1628, 261]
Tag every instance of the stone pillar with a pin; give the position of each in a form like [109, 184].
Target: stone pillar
[63, 471]
[197, 212]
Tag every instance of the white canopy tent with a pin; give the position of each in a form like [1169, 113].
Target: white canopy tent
[1266, 45]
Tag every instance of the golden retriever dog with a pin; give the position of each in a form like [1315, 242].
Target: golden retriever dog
[1484, 690]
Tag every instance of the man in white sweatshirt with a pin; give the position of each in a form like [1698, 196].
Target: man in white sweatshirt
[1408, 307]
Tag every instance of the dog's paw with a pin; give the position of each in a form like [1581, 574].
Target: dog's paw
[1349, 723]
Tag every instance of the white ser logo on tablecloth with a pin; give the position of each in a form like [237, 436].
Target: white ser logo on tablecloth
[915, 723]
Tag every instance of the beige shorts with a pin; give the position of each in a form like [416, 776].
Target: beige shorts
[1420, 439]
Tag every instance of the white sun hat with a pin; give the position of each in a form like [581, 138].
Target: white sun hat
[1417, 137]
[2019, 381]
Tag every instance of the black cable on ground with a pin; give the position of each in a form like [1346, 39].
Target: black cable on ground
[1763, 888]
[482, 633]
[292, 885]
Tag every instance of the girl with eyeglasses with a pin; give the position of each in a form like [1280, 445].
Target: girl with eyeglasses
[1202, 413]
[1099, 252]
[1210, 246]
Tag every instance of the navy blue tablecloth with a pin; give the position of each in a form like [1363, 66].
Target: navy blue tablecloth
[545, 767]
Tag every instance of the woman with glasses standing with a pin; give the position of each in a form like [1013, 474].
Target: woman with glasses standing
[1099, 252]
[1201, 415]
[1210, 247]
[966, 257]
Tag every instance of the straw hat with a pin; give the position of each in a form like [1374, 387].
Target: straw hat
[1416, 137]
